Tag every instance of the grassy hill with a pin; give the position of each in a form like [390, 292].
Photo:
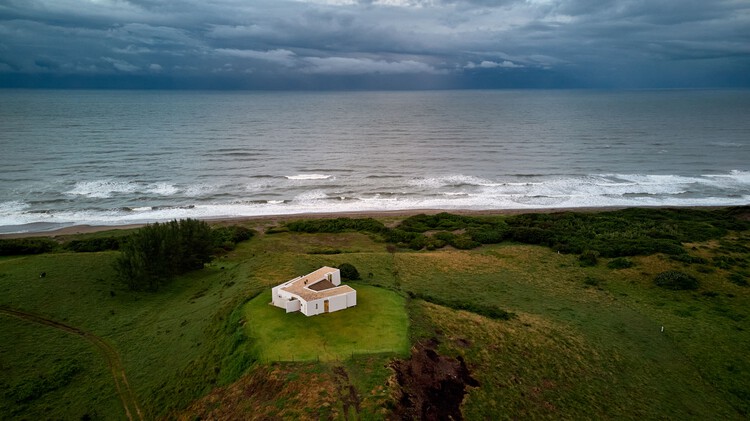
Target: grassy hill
[585, 340]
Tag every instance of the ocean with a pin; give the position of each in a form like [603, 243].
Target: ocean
[121, 157]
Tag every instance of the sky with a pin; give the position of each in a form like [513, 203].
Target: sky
[375, 44]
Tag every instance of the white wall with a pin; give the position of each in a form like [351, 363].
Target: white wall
[351, 299]
[336, 277]
[292, 306]
[310, 310]
[337, 303]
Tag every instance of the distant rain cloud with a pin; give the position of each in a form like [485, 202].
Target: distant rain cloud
[446, 43]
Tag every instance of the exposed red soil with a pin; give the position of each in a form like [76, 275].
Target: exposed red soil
[430, 386]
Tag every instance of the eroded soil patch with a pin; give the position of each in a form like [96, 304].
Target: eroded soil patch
[430, 386]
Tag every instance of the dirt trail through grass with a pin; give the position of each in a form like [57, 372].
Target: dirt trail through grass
[129, 402]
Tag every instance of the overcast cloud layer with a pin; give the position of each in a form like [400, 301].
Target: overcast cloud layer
[375, 44]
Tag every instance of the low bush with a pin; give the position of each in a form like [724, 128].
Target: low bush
[18, 246]
[336, 225]
[588, 258]
[348, 272]
[227, 237]
[676, 280]
[482, 309]
[738, 279]
[620, 263]
[591, 281]
[688, 259]
[89, 245]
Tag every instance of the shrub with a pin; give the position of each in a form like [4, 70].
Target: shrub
[492, 235]
[530, 235]
[738, 279]
[16, 246]
[227, 237]
[336, 225]
[591, 281]
[463, 242]
[589, 258]
[688, 259]
[348, 272]
[620, 263]
[89, 245]
[443, 221]
[483, 310]
[676, 280]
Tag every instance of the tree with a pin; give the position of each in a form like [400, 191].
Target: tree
[157, 252]
[348, 272]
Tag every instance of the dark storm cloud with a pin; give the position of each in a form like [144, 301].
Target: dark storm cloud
[379, 43]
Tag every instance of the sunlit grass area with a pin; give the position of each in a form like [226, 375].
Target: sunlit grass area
[377, 324]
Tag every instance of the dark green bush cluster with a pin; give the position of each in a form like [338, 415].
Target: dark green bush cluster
[88, 245]
[336, 225]
[443, 221]
[348, 272]
[483, 310]
[738, 279]
[676, 280]
[622, 233]
[16, 246]
[728, 262]
[688, 259]
[157, 252]
[591, 281]
[589, 258]
[226, 238]
[620, 263]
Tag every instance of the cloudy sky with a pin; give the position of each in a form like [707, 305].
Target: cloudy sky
[375, 44]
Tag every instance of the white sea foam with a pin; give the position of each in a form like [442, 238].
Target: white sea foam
[12, 207]
[102, 188]
[200, 190]
[309, 177]
[455, 180]
[309, 196]
[163, 189]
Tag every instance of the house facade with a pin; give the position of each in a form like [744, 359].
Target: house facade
[315, 293]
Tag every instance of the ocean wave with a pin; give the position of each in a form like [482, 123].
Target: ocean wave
[102, 189]
[163, 189]
[217, 200]
[310, 196]
[458, 180]
[309, 177]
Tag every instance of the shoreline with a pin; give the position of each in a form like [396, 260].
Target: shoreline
[275, 219]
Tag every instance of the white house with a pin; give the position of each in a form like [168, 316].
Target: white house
[314, 293]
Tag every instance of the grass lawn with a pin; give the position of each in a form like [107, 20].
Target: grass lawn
[377, 324]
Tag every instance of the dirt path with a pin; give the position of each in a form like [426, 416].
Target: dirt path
[129, 402]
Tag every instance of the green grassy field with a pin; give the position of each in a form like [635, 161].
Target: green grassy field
[586, 342]
[377, 324]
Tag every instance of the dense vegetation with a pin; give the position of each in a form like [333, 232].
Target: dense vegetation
[622, 233]
[676, 280]
[158, 252]
[545, 335]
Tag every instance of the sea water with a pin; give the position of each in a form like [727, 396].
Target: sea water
[117, 157]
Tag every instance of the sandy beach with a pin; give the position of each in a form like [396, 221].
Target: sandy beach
[271, 220]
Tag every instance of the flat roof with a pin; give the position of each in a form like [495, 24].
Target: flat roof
[299, 286]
